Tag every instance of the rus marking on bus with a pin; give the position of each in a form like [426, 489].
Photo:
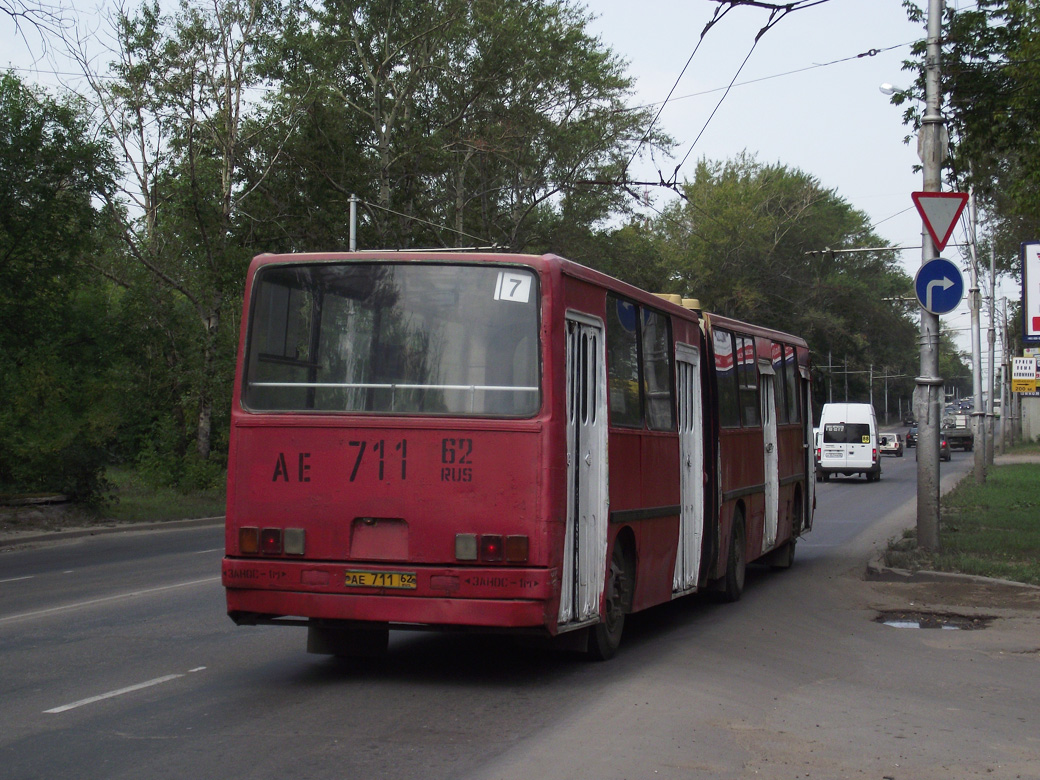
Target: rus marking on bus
[500, 442]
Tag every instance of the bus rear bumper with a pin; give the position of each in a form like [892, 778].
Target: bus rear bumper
[262, 591]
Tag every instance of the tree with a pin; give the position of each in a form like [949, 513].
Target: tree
[990, 96]
[769, 244]
[177, 101]
[455, 121]
[58, 389]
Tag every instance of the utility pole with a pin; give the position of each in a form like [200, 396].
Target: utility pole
[353, 223]
[991, 428]
[978, 414]
[927, 401]
[1005, 402]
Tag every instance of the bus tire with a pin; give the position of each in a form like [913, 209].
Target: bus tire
[736, 566]
[605, 636]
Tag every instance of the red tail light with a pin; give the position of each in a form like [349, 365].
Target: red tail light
[271, 541]
[491, 548]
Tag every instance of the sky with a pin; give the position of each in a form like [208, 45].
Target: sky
[808, 98]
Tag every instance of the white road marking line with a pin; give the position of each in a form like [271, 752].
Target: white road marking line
[117, 597]
[215, 549]
[17, 579]
[120, 692]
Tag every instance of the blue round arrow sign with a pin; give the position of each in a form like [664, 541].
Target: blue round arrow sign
[939, 286]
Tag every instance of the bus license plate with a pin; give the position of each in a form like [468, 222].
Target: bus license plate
[381, 579]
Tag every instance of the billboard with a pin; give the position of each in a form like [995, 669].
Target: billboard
[1031, 293]
[1023, 375]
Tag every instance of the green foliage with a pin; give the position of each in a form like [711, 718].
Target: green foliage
[245, 126]
[456, 122]
[990, 71]
[755, 242]
[177, 106]
[140, 499]
[58, 377]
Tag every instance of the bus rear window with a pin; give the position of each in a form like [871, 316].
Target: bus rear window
[398, 338]
[846, 433]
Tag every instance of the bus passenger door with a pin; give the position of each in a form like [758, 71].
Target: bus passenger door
[772, 456]
[691, 469]
[810, 446]
[585, 546]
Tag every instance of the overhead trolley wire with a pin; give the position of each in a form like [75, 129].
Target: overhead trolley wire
[777, 12]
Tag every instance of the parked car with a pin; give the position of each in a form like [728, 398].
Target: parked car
[911, 437]
[944, 448]
[890, 444]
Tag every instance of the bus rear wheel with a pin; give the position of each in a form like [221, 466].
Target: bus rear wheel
[605, 636]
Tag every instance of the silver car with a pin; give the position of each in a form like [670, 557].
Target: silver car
[890, 444]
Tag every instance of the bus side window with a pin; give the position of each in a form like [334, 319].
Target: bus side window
[623, 363]
[783, 387]
[657, 371]
[791, 377]
[747, 379]
[726, 374]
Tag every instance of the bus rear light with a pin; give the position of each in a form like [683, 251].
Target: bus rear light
[465, 547]
[516, 549]
[271, 541]
[491, 548]
[248, 540]
[294, 541]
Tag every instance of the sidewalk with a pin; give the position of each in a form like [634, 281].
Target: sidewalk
[11, 538]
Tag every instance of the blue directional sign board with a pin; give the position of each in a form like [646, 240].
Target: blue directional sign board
[939, 286]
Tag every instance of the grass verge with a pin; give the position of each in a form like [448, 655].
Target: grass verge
[139, 501]
[990, 530]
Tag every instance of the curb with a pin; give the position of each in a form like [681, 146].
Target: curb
[877, 571]
[9, 542]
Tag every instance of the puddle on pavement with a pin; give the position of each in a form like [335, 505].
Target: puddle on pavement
[946, 622]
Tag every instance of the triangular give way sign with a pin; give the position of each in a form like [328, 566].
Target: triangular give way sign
[940, 212]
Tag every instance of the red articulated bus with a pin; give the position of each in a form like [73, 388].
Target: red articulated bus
[499, 442]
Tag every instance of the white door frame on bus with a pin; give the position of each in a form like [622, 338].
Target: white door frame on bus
[810, 445]
[772, 457]
[585, 544]
[691, 469]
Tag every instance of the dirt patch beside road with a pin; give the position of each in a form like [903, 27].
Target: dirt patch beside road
[1009, 612]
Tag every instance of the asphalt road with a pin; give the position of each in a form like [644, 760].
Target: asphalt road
[117, 661]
